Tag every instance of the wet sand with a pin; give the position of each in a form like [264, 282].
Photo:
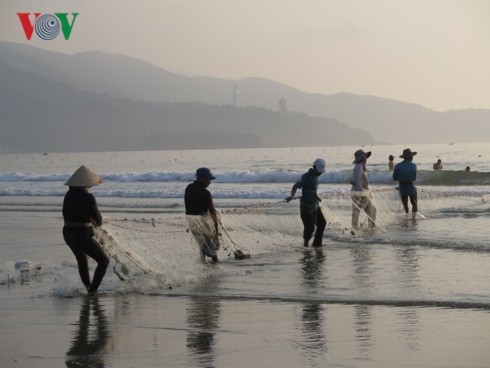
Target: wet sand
[155, 331]
[212, 323]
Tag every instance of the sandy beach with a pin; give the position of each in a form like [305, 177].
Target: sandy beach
[237, 320]
[155, 331]
[412, 294]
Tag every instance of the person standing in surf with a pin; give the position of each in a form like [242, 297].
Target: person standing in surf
[311, 214]
[199, 208]
[360, 193]
[391, 162]
[406, 173]
[437, 165]
[81, 213]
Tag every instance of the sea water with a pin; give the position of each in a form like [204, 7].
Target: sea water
[412, 293]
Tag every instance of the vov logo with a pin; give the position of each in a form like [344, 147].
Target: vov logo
[47, 26]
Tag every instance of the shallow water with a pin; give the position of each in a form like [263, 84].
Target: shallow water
[203, 331]
[414, 293]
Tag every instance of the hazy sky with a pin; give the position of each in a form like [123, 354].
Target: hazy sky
[431, 52]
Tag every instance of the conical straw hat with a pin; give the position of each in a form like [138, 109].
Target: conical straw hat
[84, 177]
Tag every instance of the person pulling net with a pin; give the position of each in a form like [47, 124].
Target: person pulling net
[162, 252]
[199, 210]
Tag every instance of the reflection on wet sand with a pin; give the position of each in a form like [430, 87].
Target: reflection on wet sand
[409, 268]
[91, 337]
[203, 321]
[362, 325]
[312, 267]
[361, 276]
[314, 345]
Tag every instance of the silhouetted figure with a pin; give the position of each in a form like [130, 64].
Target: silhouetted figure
[199, 207]
[311, 214]
[437, 165]
[81, 213]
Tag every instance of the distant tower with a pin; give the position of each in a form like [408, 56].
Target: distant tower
[283, 105]
[235, 96]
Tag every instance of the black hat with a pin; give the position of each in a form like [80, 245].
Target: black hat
[407, 153]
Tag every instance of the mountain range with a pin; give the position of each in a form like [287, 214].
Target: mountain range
[94, 101]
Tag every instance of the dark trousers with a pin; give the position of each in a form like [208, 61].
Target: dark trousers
[82, 243]
[413, 201]
[310, 219]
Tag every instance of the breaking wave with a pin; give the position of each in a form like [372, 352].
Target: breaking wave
[424, 177]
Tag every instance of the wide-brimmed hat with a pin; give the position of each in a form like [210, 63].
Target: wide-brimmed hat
[204, 172]
[360, 155]
[84, 177]
[407, 153]
[320, 164]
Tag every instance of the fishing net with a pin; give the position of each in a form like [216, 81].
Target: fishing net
[165, 250]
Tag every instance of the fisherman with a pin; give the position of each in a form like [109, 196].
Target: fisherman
[405, 173]
[199, 208]
[311, 214]
[360, 193]
[81, 213]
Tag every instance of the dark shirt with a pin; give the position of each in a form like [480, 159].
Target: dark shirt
[80, 206]
[308, 183]
[197, 199]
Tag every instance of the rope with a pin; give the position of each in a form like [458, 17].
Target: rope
[187, 229]
[256, 206]
[148, 231]
[335, 195]
[237, 247]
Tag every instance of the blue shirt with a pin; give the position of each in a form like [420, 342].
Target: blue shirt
[309, 186]
[405, 173]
